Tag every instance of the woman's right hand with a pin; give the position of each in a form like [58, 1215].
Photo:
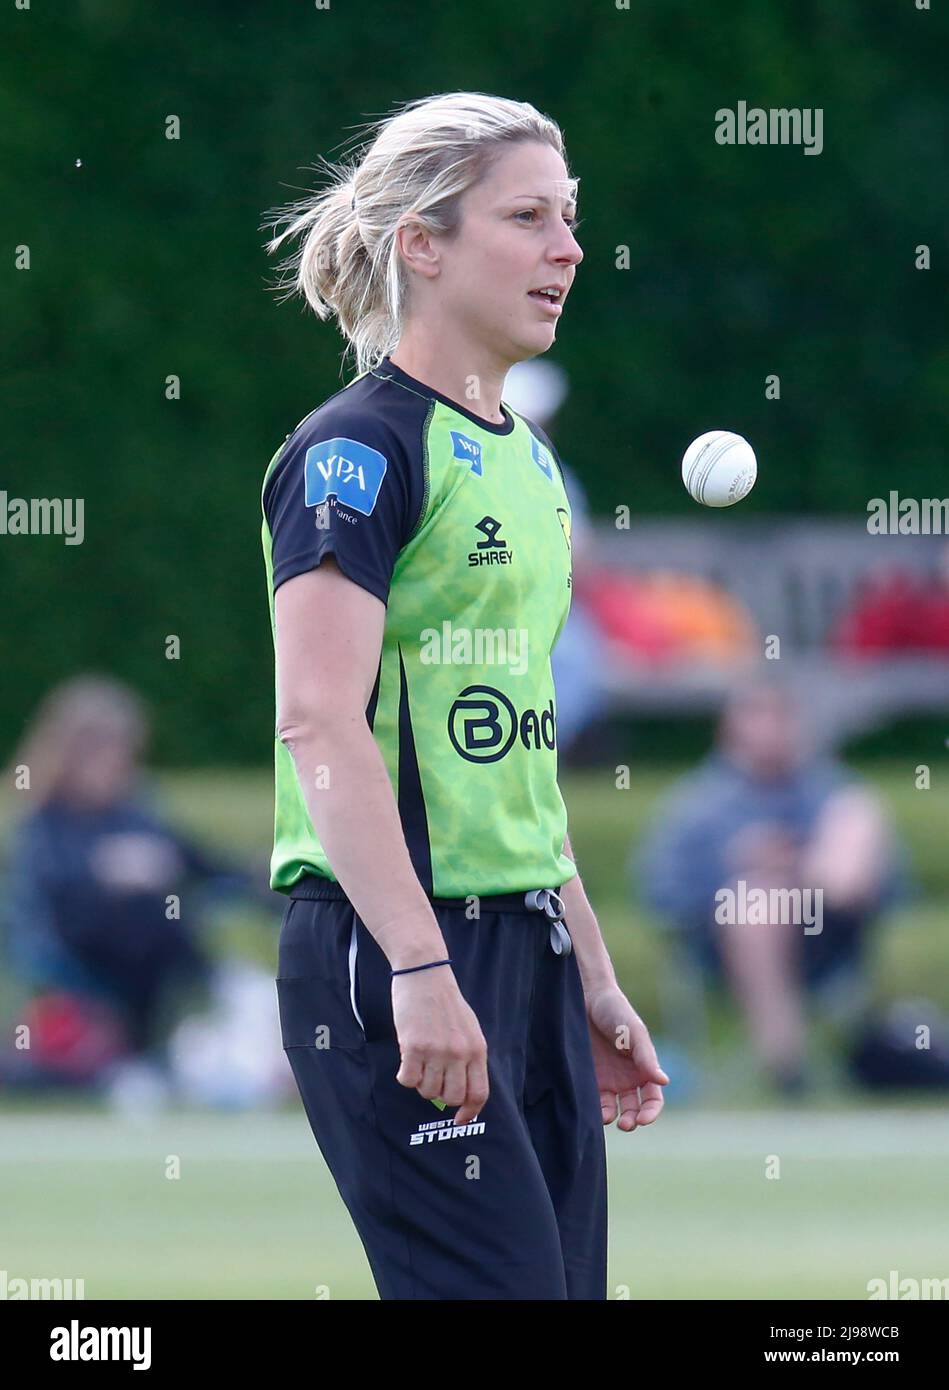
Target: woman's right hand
[444, 1053]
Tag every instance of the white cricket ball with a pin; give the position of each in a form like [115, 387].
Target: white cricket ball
[719, 468]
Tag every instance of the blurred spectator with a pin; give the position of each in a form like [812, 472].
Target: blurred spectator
[762, 812]
[101, 921]
[536, 389]
[897, 611]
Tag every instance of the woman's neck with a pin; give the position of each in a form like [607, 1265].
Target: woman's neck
[462, 376]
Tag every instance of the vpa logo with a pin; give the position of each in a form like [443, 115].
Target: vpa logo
[345, 469]
[469, 450]
[483, 725]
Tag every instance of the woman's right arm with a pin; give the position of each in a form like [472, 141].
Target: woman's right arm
[328, 640]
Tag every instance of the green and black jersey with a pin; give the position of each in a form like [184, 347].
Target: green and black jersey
[462, 528]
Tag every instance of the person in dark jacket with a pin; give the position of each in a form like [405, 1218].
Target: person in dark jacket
[103, 896]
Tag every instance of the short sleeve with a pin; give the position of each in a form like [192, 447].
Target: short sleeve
[346, 487]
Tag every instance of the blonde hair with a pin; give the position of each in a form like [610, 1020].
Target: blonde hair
[83, 707]
[416, 166]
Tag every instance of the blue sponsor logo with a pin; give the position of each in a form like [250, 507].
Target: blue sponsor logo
[467, 449]
[345, 469]
[541, 458]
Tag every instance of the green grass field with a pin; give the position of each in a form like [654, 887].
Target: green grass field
[255, 1214]
[234, 811]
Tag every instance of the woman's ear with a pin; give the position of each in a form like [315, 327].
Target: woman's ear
[418, 249]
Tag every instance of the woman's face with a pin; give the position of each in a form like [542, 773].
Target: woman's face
[762, 732]
[515, 238]
[100, 769]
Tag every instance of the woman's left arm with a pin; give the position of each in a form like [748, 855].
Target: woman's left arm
[596, 968]
[628, 1073]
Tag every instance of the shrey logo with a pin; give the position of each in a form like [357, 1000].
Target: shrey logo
[483, 725]
[490, 551]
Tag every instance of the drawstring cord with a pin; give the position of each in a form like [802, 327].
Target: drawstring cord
[549, 901]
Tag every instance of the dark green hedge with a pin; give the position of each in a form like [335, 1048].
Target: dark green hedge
[147, 261]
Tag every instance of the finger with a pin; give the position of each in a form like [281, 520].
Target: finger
[410, 1071]
[629, 1110]
[608, 1107]
[433, 1080]
[478, 1091]
[644, 1055]
[456, 1083]
[651, 1103]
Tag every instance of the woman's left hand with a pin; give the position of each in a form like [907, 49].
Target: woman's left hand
[624, 1060]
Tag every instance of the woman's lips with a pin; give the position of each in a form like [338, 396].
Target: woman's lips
[553, 306]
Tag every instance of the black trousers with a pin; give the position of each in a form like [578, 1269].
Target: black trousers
[511, 1206]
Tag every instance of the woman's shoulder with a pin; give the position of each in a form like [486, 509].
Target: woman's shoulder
[371, 410]
[349, 442]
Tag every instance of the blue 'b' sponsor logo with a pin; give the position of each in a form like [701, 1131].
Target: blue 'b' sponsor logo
[345, 469]
[541, 458]
[467, 449]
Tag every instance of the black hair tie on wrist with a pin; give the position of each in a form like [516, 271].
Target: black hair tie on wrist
[410, 968]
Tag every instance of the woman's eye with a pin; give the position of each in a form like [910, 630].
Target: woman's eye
[572, 222]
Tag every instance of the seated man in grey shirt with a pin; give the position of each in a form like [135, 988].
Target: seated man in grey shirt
[772, 863]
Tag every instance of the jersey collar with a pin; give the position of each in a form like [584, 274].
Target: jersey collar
[387, 370]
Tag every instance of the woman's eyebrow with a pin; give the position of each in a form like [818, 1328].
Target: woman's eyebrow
[542, 198]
